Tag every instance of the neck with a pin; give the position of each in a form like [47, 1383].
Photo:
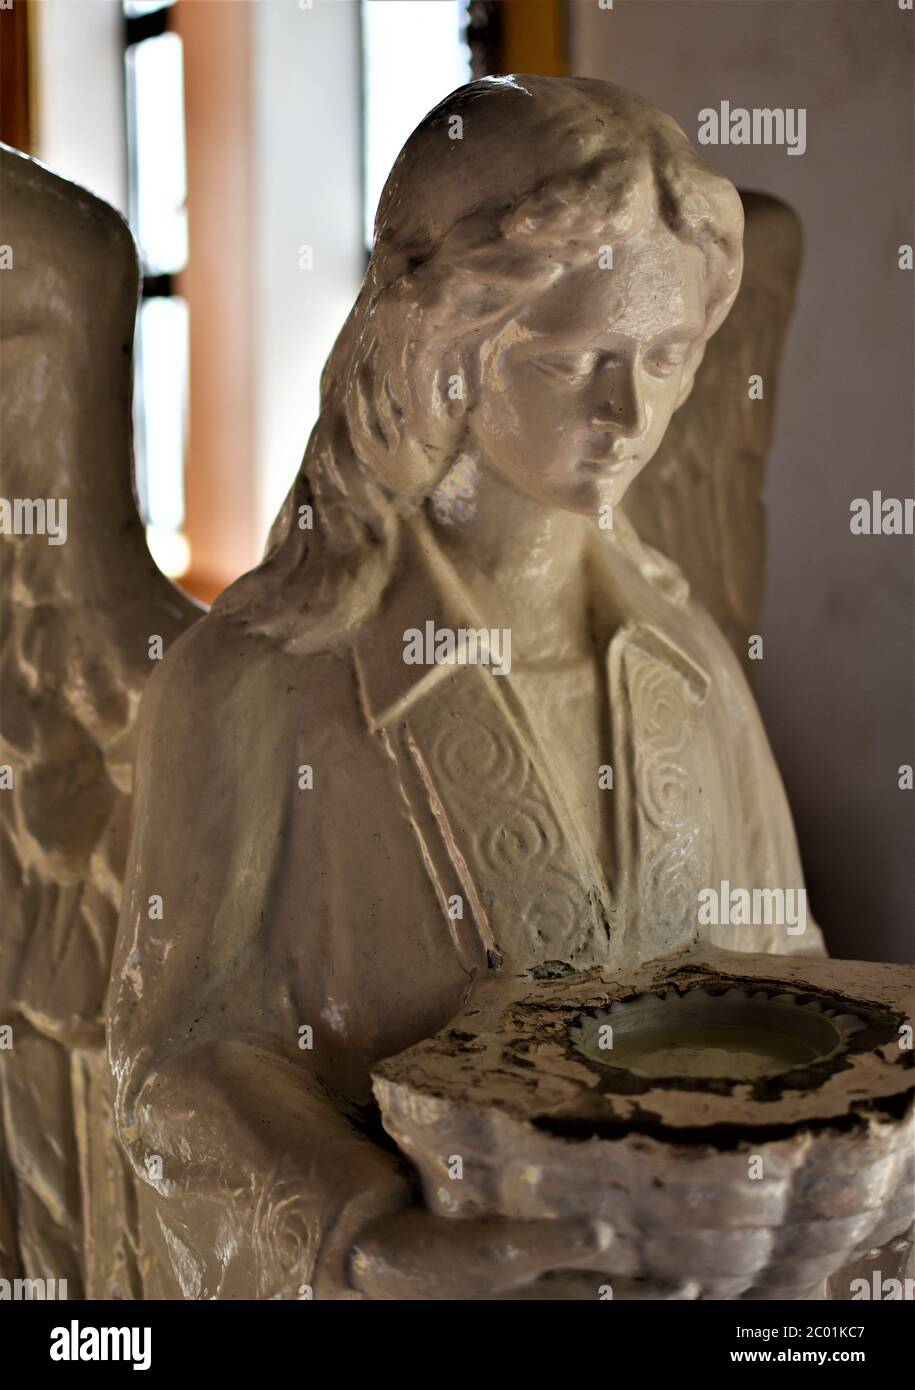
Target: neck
[523, 564]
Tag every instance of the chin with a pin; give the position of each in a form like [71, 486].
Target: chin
[587, 495]
[582, 493]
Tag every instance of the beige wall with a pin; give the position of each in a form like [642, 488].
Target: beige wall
[836, 682]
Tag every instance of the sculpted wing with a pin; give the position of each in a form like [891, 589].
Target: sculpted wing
[76, 617]
[699, 501]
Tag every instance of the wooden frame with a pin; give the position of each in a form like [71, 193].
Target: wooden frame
[518, 36]
[220, 482]
[17, 87]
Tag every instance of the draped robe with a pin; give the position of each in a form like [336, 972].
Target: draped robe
[309, 930]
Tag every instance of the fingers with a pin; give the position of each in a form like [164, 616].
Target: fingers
[413, 1255]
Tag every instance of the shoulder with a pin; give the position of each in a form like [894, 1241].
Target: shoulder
[220, 677]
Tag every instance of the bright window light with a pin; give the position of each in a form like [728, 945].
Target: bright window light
[155, 88]
[162, 351]
[413, 54]
[170, 550]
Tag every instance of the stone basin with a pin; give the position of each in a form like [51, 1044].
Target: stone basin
[749, 1134]
[737, 1034]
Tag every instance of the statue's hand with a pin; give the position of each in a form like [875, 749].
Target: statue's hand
[413, 1254]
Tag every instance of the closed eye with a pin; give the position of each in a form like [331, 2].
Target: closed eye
[664, 361]
[565, 365]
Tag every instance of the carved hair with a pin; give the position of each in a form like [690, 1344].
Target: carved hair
[502, 189]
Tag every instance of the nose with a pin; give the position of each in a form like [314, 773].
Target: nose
[620, 405]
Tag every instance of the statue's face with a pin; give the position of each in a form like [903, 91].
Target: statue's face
[577, 390]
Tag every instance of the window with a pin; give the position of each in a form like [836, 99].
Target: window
[414, 52]
[157, 191]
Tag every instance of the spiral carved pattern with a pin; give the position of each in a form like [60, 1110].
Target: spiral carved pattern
[470, 750]
[508, 832]
[670, 866]
[284, 1242]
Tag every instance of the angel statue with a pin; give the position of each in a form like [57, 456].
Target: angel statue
[464, 730]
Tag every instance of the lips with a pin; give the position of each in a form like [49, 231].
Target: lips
[607, 466]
